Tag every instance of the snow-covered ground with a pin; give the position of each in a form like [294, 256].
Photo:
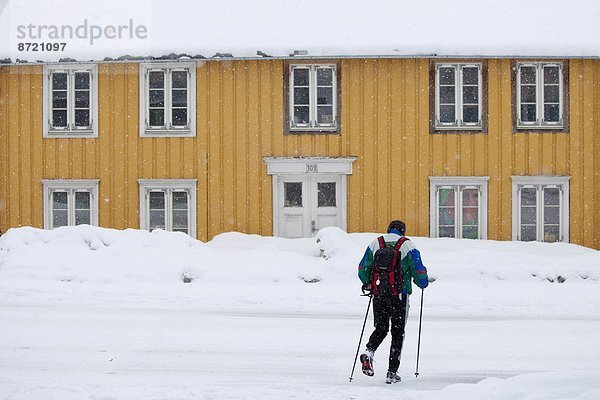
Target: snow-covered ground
[92, 313]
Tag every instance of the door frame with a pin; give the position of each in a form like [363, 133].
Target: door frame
[282, 166]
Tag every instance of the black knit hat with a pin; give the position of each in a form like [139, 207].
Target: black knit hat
[399, 225]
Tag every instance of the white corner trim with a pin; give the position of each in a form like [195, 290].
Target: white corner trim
[46, 132]
[309, 165]
[49, 185]
[147, 185]
[187, 132]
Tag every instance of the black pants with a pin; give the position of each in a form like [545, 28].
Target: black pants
[385, 309]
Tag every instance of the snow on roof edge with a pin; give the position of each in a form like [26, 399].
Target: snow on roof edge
[230, 57]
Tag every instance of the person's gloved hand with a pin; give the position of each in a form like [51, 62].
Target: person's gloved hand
[367, 288]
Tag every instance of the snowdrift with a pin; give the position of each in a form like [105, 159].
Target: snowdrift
[94, 265]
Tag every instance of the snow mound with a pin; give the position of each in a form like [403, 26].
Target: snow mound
[333, 240]
[240, 272]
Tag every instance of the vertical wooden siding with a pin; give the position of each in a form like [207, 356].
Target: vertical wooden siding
[385, 123]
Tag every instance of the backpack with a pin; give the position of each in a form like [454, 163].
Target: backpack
[386, 259]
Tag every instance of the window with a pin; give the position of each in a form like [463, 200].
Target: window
[541, 208]
[540, 95]
[70, 100]
[313, 98]
[458, 207]
[70, 202]
[168, 204]
[168, 98]
[458, 97]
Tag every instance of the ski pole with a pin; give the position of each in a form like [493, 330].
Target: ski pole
[419, 345]
[361, 335]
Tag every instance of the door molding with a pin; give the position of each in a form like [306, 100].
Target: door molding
[281, 166]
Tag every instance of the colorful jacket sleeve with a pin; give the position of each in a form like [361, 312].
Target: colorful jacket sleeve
[365, 267]
[412, 267]
[419, 273]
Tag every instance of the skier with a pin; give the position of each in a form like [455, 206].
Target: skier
[385, 270]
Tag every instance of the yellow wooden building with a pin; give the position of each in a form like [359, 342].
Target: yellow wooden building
[494, 148]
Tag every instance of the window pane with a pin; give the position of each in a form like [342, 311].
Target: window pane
[300, 76]
[179, 79]
[446, 197]
[528, 233]
[447, 94]
[157, 200]
[82, 80]
[301, 96]
[470, 216]
[324, 76]
[82, 99]
[446, 75]
[551, 215]
[324, 95]
[528, 94]
[292, 194]
[180, 201]
[301, 114]
[528, 75]
[325, 114]
[528, 113]
[551, 94]
[471, 114]
[82, 118]
[447, 216]
[470, 94]
[326, 194]
[447, 114]
[470, 232]
[180, 219]
[551, 75]
[156, 79]
[59, 99]
[446, 231]
[180, 116]
[59, 81]
[82, 217]
[551, 112]
[470, 197]
[59, 218]
[157, 98]
[551, 196]
[157, 117]
[179, 98]
[551, 234]
[528, 196]
[59, 200]
[470, 76]
[82, 200]
[59, 118]
[528, 215]
[157, 219]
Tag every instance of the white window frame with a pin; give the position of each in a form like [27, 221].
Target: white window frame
[539, 182]
[168, 185]
[70, 185]
[540, 123]
[458, 98]
[168, 130]
[313, 125]
[478, 182]
[70, 131]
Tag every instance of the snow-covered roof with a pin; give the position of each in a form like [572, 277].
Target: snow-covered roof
[319, 28]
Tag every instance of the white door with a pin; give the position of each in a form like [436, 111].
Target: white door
[308, 203]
